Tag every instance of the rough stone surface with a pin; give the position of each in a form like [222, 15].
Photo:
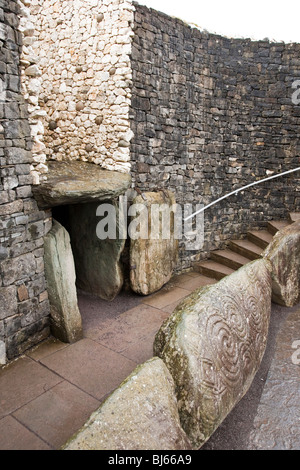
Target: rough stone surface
[213, 345]
[140, 415]
[60, 274]
[78, 182]
[153, 259]
[284, 255]
[97, 261]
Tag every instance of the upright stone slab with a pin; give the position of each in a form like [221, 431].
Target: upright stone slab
[284, 255]
[141, 414]
[213, 345]
[97, 260]
[60, 275]
[153, 257]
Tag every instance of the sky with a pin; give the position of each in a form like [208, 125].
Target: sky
[256, 19]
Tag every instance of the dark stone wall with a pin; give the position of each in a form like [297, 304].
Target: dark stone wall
[24, 308]
[212, 114]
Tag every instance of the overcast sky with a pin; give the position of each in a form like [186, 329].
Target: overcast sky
[255, 19]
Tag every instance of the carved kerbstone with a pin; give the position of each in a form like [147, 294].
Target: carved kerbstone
[284, 255]
[213, 345]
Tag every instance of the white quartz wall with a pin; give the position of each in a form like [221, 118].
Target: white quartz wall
[84, 71]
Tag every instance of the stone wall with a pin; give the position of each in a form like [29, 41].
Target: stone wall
[24, 308]
[84, 49]
[31, 82]
[212, 114]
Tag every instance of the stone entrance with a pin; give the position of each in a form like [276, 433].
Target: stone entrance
[78, 256]
[74, 255]
[97, 262]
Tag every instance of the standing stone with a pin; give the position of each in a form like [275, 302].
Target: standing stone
[97, 261]
[152, 256]
[213, 345]
[141, 414]
[284, 255]
[60, 274]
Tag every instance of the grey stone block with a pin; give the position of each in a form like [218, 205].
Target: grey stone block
[60, 274]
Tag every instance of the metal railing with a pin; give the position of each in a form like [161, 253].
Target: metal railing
[236, 191]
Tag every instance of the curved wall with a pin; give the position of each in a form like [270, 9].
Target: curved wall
[211, 114]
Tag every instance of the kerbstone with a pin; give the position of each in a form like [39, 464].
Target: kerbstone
[141, 414]
[60, 275]
[213, 345]
[284, 255]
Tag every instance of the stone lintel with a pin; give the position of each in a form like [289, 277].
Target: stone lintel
[76, 182]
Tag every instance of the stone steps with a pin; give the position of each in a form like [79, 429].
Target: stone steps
[276, 225]
[229, 258]
[213, 269]
[246, 248]
[262, 238]
[293, 216]
[240, 252]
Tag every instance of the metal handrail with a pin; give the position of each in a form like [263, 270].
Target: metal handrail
[238, 190]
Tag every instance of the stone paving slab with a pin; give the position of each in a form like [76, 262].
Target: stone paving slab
[93, 368]
[23, 381]
[15, 436]
[67, 407]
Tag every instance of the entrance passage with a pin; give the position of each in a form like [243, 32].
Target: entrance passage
[97, 262]
[74, 190]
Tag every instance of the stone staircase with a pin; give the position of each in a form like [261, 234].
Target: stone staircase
[241, 252]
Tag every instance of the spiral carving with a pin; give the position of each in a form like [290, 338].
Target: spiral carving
[222, 335]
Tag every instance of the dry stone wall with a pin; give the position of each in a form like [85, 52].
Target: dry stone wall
[24, 307]
[31, 81]
[212, 114]
[84, 50]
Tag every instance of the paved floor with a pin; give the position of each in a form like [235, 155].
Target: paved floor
[47, 394]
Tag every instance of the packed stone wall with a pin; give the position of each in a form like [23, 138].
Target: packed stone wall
[211, 114]
[84, 50]
[24, 308]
